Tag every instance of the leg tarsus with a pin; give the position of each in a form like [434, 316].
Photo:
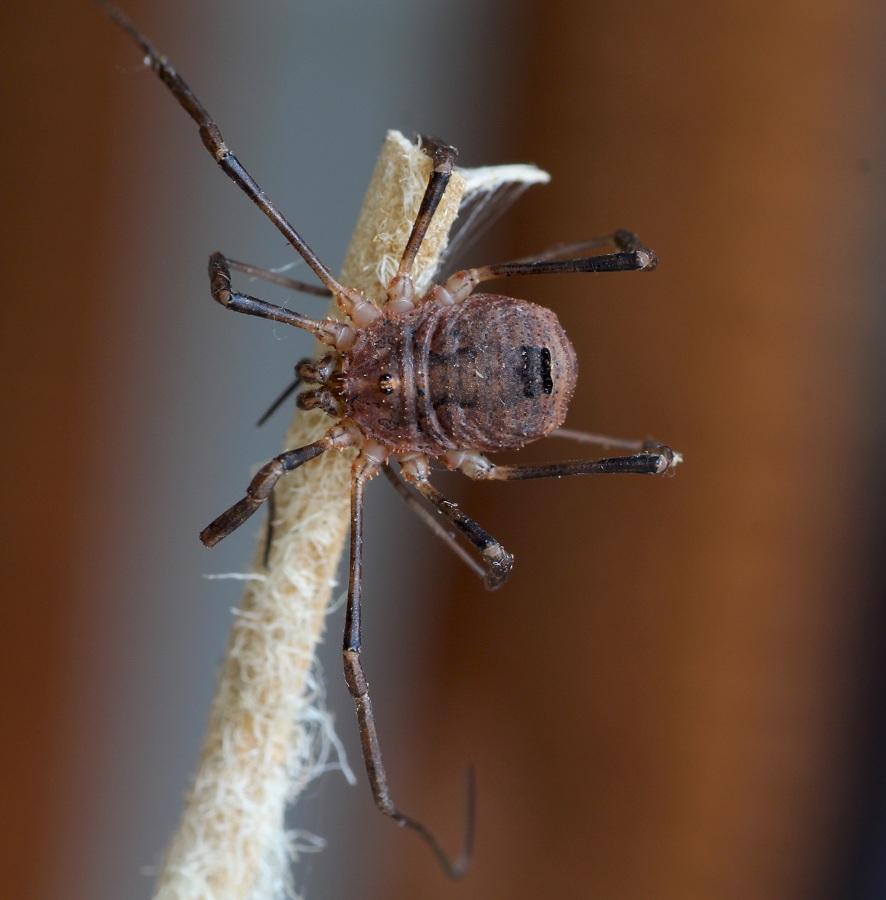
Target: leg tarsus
[359, 690]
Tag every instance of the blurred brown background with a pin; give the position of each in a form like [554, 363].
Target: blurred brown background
[679, 692]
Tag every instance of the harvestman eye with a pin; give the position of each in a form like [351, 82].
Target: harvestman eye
[474, 373]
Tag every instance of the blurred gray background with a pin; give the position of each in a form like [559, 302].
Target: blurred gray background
[678, 694]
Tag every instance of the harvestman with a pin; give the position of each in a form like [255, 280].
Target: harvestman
[448, 376]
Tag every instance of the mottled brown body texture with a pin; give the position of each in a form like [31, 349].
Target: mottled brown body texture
[491, 372]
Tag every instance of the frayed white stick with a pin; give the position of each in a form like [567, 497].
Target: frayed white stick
[267, 735]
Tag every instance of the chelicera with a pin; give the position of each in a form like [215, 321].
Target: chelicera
[447, 376]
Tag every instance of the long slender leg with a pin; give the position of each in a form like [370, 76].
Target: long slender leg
[263, 483]
[496, 560]
[359, 689]
[485, 572]
[326, 330]
[444, 158]
[212, 140]
[309, 371]
[280, 400]
[632, 256]
[276, 278]
[622, 240]
[656, 459]
[603, 440]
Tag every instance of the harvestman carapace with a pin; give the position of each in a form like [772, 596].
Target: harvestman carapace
[447, 376]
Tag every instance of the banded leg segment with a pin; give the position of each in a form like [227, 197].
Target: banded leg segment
[326, 330]
[214, 143]
[267, 477]
[622, 240]
[496, 561]
[631, 255]
[359, 690]
[655, 459]
[448, 537]
[444, 158]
